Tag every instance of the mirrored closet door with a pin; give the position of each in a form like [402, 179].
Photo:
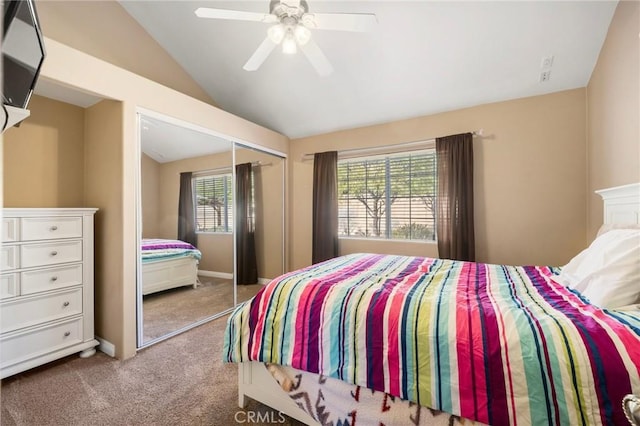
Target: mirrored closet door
[211, 225]
[186, 262]
[260, 180]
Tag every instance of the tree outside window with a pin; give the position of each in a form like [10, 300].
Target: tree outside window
[390, 197]
[213, 203]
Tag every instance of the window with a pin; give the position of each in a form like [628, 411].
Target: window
[390, 196]
[213, 203]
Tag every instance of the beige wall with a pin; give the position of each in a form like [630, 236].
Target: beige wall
[44, 157]
[270, 218]
[103, 183]
[105, 30]
[529, 178]
[613, 105]
[149, 196]
[217, 253]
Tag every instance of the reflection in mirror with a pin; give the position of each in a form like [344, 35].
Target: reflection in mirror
[259, 220]
[185, 199]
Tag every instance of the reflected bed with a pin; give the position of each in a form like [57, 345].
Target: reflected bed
[168, 264]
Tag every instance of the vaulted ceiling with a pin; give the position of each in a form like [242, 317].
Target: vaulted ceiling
[421, 58]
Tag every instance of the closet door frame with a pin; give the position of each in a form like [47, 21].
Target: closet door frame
[140, 112]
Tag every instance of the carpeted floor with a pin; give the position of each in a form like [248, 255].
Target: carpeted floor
[181, 381]
[170, 310]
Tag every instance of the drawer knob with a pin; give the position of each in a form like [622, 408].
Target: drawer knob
[54, 228]
[67, 333]
[54, 279]
[65, 304]
[54, 253]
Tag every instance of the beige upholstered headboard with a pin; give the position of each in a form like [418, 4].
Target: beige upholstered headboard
[621, 204]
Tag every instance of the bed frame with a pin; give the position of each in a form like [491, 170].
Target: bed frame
[163, 274]
[621, 205]
[254, 381]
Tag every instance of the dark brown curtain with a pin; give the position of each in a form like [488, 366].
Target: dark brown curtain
[454, 213]
[325, 206]
[186, 219]
[246, 266]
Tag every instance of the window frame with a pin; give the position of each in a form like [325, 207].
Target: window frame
[389, 231]
[228, 214]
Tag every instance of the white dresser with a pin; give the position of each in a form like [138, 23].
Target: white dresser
[46, 286]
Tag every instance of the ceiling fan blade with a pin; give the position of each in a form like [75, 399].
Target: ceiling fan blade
[359, 22]
[259, 56]
[317, 58]
[239, 15]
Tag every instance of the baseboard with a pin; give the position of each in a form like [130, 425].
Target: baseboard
[106, 347]
[215, 274]
[228, 276]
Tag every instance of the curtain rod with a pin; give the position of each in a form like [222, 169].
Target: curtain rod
[385, 149]
[228, 168]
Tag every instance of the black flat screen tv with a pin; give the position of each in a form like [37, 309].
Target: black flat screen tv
[22, 52]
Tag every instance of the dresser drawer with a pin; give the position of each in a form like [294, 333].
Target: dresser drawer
[18, 347]
[50, 253]
[9, 229]
[9, 258]
[48, 228]
[29, 311]
[50, 278]
[9, 286]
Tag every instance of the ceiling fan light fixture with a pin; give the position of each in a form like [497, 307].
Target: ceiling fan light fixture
[276, 33]
[291, 25]
[289, 45]
[302, 34]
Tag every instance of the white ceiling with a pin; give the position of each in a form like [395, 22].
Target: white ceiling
[70, 95]
[423, 57]
[166, 141]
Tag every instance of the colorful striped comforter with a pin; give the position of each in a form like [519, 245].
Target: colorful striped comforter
[153, 249]
[504, 345]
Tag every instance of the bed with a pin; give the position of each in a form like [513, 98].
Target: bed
[475, 343]
[168, 264]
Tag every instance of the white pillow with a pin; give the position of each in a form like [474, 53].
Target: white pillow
[606, 227]
[634, 308]
[608, 271]
[571, 274]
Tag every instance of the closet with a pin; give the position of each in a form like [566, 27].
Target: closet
[210, 224]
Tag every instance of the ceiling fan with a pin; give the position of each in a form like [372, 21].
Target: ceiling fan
[291, 27]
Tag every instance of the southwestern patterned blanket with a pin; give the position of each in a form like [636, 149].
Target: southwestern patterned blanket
[333, 402]
[503, 345]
